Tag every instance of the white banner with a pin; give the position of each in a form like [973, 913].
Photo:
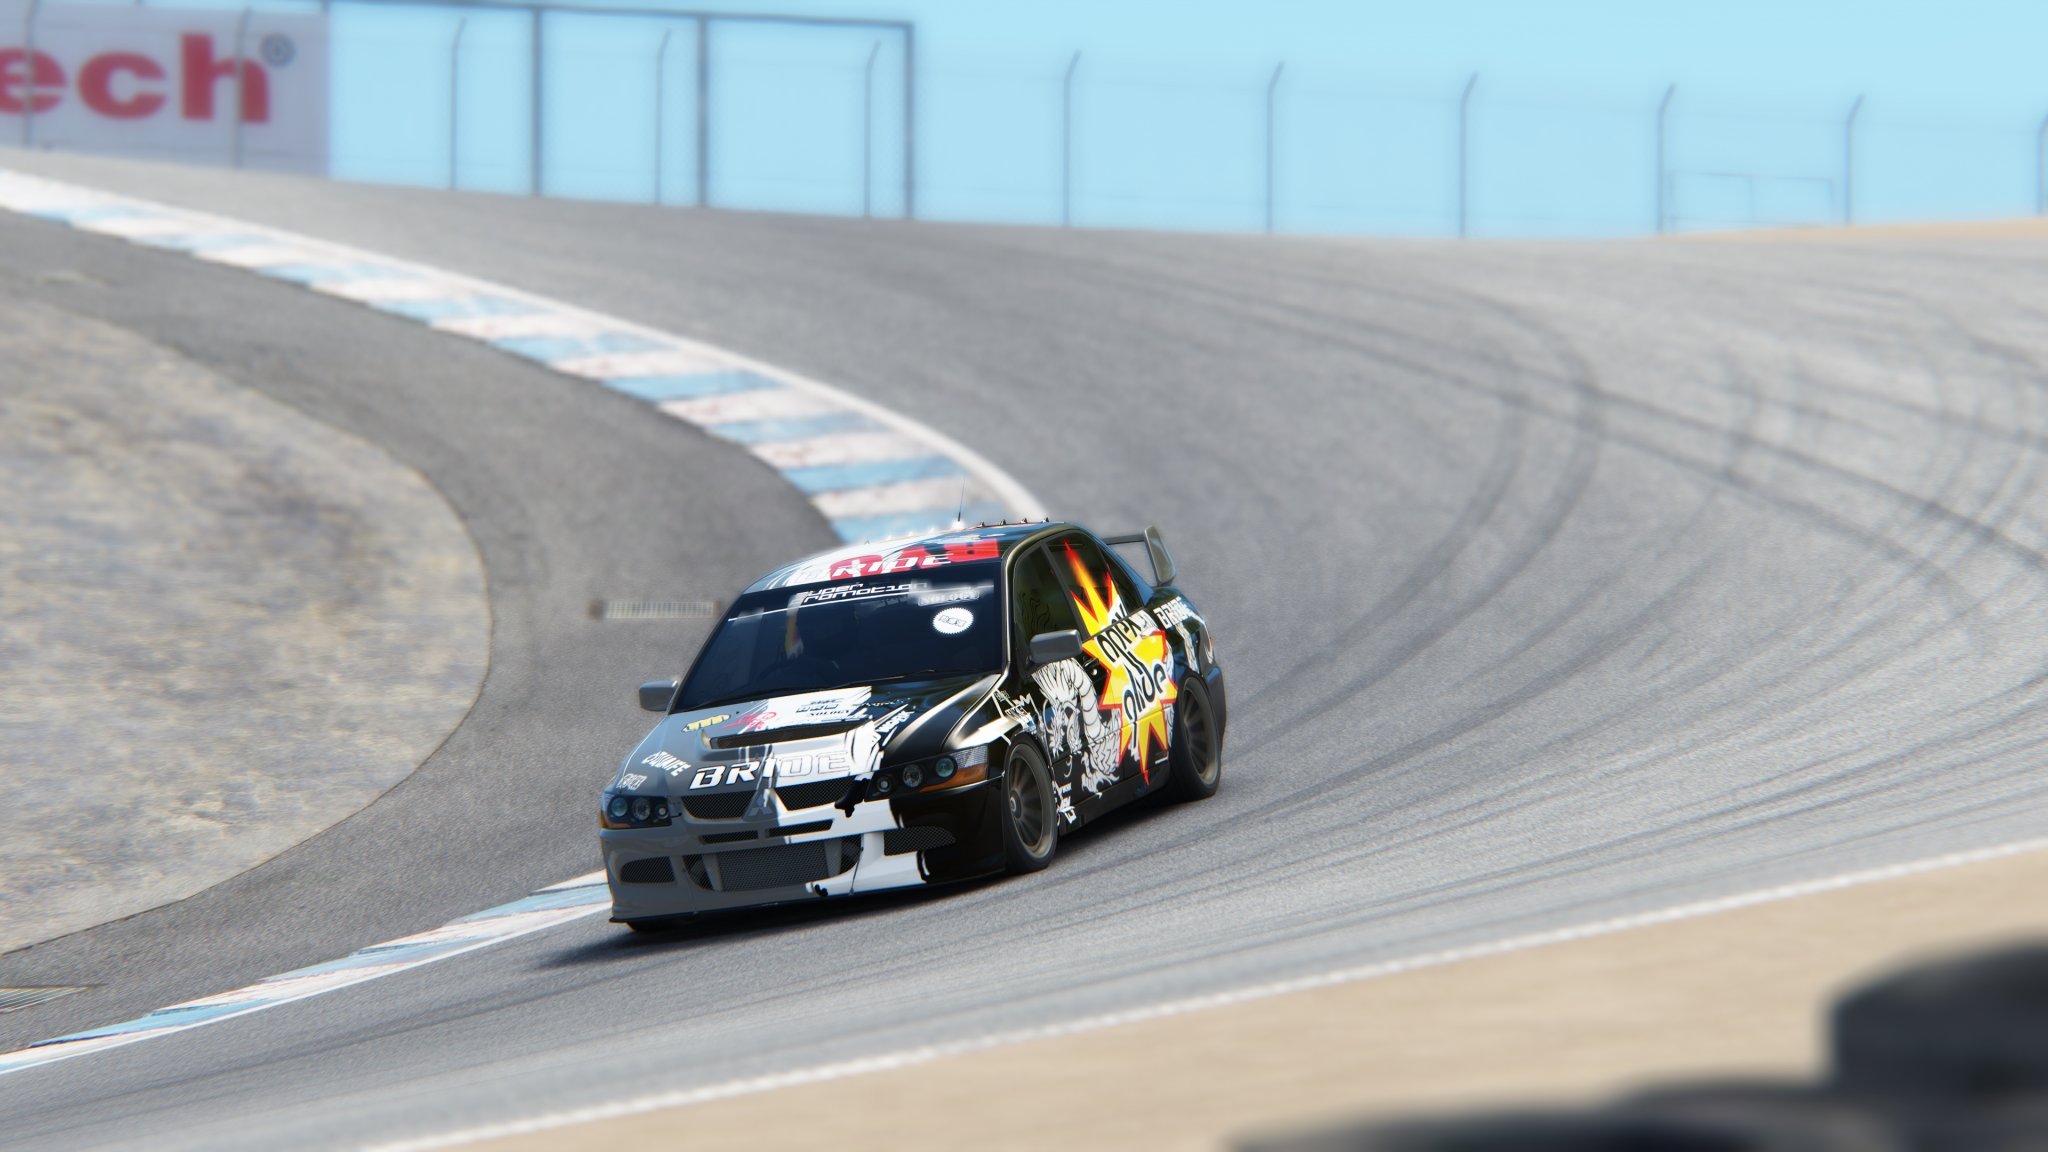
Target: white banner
[213, 87]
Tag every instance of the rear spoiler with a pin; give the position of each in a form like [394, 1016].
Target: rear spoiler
[1155, 547]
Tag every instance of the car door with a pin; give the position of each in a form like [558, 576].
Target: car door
[1128, 659]
[1064, 698]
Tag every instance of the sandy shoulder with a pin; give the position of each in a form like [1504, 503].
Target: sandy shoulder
[1739, 993]
[224, 626]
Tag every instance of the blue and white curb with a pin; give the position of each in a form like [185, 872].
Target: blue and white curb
[547, 908]
[871, 472]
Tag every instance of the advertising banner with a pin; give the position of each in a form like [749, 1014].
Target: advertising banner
[244, 88]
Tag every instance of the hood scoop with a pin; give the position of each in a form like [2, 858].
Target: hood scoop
[779, 735]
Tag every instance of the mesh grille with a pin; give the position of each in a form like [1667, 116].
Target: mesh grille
[727, 806]
[898, 841]
[813, 794]
[751, 869]
[655, 870]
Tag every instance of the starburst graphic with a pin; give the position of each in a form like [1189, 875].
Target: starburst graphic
[1137, 664]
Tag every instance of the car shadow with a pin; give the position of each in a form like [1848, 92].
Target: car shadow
[749, 923]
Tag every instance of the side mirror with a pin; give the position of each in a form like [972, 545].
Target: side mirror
[1162, 560]
[657, 695]
[1053, 647]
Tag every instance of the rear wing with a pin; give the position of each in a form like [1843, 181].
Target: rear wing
[1155, 549]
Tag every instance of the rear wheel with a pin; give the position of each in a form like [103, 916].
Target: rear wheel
[1031, 828]
[1196, 761]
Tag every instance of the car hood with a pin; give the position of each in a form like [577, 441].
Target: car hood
[811, 736]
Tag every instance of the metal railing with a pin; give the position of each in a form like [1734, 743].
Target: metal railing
[1265, 160]
[704, 23]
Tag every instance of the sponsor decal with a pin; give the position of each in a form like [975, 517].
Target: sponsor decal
[663, 762]
[953, 621]
[706, 722]
[853, 592]
[786, 766]
[953, 594]
[167, 84]
[631, 781]
[711, 777]
[1176, 612]
[1019, 711]
[1131, 647]
[917, 556]
[887, 725]
[825, 707]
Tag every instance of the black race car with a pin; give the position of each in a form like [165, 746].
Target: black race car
[913, 712]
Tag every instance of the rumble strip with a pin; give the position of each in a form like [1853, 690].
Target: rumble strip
[547, 908]
[872, 473]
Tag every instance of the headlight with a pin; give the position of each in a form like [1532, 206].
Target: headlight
[622, 810]
[953, 770]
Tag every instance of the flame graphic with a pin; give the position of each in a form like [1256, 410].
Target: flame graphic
[1099, 609]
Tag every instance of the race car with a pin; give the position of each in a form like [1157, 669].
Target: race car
[925, 710]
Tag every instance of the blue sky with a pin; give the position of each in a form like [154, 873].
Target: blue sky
[1170, 117]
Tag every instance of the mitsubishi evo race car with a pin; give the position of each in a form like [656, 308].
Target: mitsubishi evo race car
[912, 712]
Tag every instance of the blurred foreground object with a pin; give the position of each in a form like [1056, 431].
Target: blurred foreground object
[1950, 1056]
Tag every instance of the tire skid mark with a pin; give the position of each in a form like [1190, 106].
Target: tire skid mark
[716, 391]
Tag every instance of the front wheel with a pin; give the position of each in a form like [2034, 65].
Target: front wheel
[1196, 760]
[1031, 827]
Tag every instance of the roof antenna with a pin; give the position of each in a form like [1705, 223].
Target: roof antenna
[960, 517]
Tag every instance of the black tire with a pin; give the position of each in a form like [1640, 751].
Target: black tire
[1031, 819]
[1195, 763]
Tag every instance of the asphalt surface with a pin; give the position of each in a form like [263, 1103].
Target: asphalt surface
[1555, 583]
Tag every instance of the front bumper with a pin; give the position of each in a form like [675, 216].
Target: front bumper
[716, 865]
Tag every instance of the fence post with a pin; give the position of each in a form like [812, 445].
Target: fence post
[455, 98]
[867, 136]
[660, 106]
[2041, 169]
[1663, 172]
[1272, 90]
[1067, 143]
[1465, 155]
[910, 121]
[536, 180]
[241, 81]
[1849, 162]
[703, 112]
[28, 74]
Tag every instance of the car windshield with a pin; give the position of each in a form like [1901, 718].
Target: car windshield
[849, 633]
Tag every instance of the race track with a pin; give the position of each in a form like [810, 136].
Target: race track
[1555, 582]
